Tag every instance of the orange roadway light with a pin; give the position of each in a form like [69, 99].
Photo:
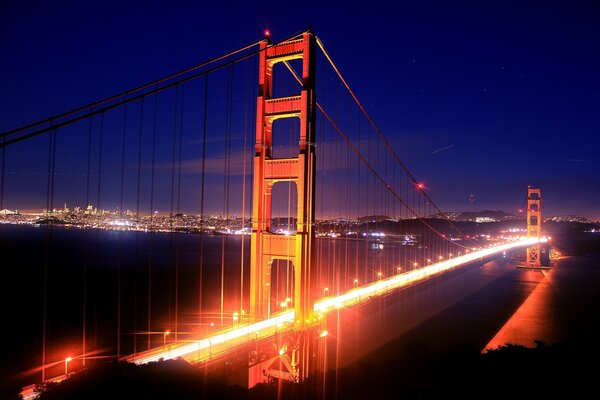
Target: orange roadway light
[203, 348]
[67, 361]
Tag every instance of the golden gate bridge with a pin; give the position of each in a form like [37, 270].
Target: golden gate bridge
[310, 209]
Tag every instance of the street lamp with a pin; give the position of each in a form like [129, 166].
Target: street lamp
[235, 317]
[379, 275]
[415, 265]
[355, 282]
[398, 269]
[326, 291]
[165, 334]
[285, 304]
[67, 361]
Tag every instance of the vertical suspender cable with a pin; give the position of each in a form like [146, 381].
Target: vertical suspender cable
[243, 196]
[173, 155]
[2, 175]
[123, 142]
[227, 170]
[85, 251]
[202, 181]
[177, 255]
[120, 262]
[367, 266]
[100, 143]
[139, 161]
[172, 205]
[152, 169]
[98, 210]
[357, 215]
[348, 212]
[137, 217]
[49, 195]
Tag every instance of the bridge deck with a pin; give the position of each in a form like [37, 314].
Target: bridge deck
[235, 336]
[225, 341]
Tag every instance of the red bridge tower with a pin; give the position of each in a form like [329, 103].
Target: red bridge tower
[266, 246]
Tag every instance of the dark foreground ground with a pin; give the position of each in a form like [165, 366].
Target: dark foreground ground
[509, 372]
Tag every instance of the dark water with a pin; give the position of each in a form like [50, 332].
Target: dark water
[88, 274]
[477, 306]
[95, 283]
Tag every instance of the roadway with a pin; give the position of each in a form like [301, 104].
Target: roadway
[226, 341]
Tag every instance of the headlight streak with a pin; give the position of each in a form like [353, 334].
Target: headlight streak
[285, 319]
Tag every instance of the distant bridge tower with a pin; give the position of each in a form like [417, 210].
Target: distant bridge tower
[266, 247]
[534, 226]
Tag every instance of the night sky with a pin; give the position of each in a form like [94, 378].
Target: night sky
[476, 99]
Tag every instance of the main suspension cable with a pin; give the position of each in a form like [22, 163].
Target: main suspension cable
[372, 123]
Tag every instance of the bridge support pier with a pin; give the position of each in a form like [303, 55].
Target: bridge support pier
[291, 357]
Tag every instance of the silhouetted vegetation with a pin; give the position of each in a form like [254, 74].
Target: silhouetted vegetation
[510, 371]
[161, 380]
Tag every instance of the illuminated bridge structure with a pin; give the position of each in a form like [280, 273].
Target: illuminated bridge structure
[337, 218]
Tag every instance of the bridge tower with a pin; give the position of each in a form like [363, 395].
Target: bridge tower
[534, 226]
[266, 246]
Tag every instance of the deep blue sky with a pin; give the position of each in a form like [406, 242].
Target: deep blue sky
[510, 91]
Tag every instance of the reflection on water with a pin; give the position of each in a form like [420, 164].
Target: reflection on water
[533, 320]
[479, 307]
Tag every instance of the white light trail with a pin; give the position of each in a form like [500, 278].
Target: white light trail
[285, 320]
